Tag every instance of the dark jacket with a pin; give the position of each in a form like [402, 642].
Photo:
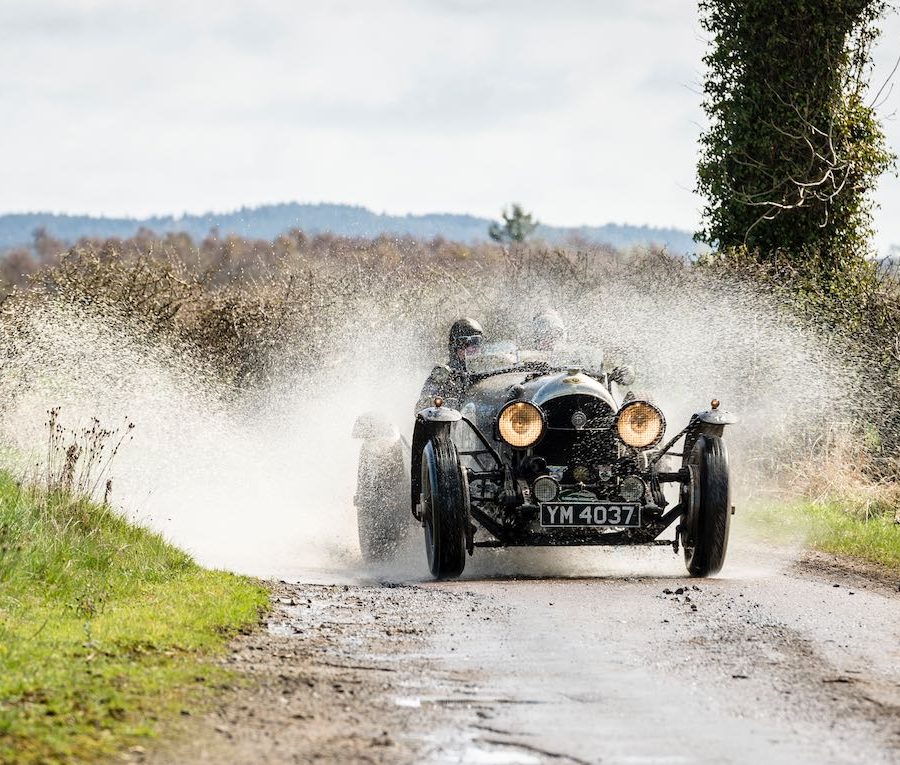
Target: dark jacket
[446, 382]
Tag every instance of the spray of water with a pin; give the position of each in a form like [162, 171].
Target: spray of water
[262, 482]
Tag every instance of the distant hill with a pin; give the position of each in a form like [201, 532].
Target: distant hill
[268, 221]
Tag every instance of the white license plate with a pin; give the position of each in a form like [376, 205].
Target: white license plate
[560, 514]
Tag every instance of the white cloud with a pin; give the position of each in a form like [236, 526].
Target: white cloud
[586, 111]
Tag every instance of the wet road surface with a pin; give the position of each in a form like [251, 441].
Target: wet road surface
[798, 665]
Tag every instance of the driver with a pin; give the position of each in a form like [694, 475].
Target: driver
[449, 380]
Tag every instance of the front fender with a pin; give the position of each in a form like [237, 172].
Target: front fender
[717, 417]
[433, 414]
[428, 422]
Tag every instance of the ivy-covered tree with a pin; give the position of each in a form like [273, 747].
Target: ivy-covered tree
[793, 146]
[517, 226]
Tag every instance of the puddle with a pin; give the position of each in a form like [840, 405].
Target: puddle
[408, 701]
[477, 755]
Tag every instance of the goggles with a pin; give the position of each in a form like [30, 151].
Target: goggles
[469, 341]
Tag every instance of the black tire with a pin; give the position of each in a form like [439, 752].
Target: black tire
[707, 499]
[445, 507]
[382, 517]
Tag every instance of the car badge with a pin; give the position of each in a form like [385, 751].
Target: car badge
[579, 420]
[556, 471]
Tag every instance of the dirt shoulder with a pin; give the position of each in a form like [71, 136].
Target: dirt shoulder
[846, 569]
[331, 678]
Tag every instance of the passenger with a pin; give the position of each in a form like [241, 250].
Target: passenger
[548, 337]
[548, 331]
[448, 381]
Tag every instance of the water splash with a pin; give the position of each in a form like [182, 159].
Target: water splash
[263, 481]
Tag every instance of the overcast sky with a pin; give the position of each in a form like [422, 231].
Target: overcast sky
[587, 111]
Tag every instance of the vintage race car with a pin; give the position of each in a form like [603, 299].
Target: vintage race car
[536, 454]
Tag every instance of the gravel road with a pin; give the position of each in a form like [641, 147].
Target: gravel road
[800, 664]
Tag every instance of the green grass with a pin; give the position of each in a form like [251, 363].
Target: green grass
[833, 526]
[106, 631]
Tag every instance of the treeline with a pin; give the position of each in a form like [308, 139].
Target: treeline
[220, 260]
[270, 221]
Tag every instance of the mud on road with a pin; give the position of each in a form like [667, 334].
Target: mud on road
[797, 666]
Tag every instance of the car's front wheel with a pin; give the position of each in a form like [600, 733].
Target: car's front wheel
[707, 501]
[445, 506]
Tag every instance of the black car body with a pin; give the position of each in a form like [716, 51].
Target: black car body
[542, 455]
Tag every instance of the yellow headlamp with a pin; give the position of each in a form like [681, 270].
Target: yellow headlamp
[640, 425]
[521, 424]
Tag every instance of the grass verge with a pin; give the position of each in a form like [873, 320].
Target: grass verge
[106, 630]
[832, 526]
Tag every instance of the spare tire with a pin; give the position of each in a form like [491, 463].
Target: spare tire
[382, 516]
